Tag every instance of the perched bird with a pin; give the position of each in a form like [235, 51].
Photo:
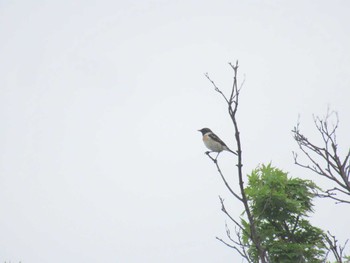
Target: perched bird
[213, 142]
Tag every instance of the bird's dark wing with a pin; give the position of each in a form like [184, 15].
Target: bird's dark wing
[216, 138]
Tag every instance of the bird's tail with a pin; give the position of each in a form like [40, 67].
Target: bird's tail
[228, 149]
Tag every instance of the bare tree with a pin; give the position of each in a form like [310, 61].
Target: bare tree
[232, 106]
[325, 159]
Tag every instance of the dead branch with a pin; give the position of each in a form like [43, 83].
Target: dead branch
[333, 167]
[239, 245]
[223, 209]
[337, 250]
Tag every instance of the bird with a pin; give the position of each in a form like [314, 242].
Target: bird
[213, 142]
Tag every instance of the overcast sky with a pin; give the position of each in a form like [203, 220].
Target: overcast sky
[100, 157]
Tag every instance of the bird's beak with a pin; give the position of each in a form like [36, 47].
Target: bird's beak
[199, 130]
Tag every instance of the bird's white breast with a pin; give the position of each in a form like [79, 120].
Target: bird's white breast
[211, 144]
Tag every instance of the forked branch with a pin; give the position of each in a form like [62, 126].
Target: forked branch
[334, 167]
[232, 105]
[337, 250]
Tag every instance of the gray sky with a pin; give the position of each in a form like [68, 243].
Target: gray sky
[101, 101]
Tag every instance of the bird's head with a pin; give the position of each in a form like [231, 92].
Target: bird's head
[204, 130]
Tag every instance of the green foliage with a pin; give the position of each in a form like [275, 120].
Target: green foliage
[279, 206]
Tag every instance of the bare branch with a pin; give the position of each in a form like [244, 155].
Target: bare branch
[223, 209]
[223, 178]
[333, 246]
[232, 106]
[331, 193]
[334, 168]
[239, 245]
[231, 246]
[216, 87]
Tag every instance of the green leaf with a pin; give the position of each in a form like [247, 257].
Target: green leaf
[280, 205]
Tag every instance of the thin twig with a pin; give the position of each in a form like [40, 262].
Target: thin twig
[334, 168]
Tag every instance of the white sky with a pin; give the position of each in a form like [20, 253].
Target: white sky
[101, 101]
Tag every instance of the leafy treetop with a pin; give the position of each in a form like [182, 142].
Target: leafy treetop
[280, 206]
